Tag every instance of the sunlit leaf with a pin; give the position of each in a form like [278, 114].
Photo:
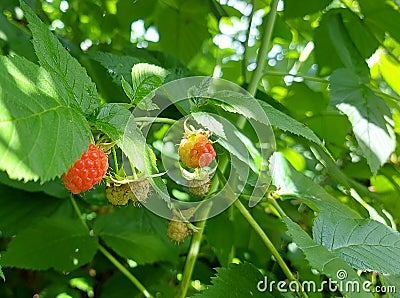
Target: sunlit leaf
[290, 182]
[62, 67]
[41, 133]
[145, 78]
[369, 115]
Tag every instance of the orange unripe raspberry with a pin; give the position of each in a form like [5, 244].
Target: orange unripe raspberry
[86, 171]
[196, 151]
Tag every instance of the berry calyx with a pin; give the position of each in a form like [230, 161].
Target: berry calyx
[196, 150]
[86, 171]
[199, 188]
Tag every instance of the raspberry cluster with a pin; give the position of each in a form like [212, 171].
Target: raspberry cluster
[86, 171]
[196, 150]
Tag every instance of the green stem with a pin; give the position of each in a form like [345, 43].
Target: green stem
[253, 223]
[125, 271]
[192, 257]
[258, 73]
[110, 257]
[262, 54]
[278, 208]
[134, 174]
[78, 211]
[284, 74]
[245, 44]
[115, 159]
[196, 239]
[155, 120]
[380, 93]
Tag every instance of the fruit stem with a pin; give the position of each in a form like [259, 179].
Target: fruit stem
[125, 271]
[134, 174]
[192, 255]
[277, 207]
[109, 256]
[115, 159]
[253, 223]
[262, 54]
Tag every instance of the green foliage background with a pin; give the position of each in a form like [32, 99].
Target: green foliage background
[329, 83]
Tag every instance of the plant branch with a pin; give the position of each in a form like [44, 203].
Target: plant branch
[306, 78]
[110, 257]
[155, 120]
[261, 57]
[115, 159]
[191, 258]
[125, 271]
[253, 223]
[78, 211]
[246, 43]
[277, 207]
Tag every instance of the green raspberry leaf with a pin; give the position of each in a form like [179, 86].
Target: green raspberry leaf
[325, 261]
[287, 123]
[63, 68]
[366, 244]
[143, 239]
[241, 279]
[118, 67]
[345, 47]
[17, 213]
[60, 242]
[295, 9]
[112, 119]
[293, 183]
[145, 78]
[244, 105]
[41, 135]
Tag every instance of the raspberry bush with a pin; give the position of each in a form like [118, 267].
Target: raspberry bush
[199, 148]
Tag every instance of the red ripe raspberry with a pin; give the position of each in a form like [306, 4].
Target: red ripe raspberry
[196, 151]
[86, 171]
